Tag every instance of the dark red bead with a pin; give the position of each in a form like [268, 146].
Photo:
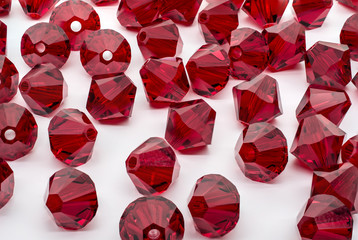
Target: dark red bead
[349, 151]
[105, 52]
[77, 18]
[72, 137]
[9, 79]
[214, 206]
[238, 3]
[6, 183]
[18, 131]
[312, 14]
[5, 7]
[45, 43]
[71, 198]
[349, 3]
[36, 9]
[182, 12]
[355, 80]
[349, 35]
[3, 37]
[150, 218]
[104, 2]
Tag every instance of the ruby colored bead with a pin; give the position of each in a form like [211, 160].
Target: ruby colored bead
[9, 79]
[218, 20]
[43, 89]
[104, 2]
[265, 12]
[160, 40]
[45, 43]
[349, 152]
[18, 131]
[150, 218]
[164, 80]
[152, 166]
[36, 9]
[287, 44]
[3, 37]
[71, 198]
[355, 80]
[190, 124]
[111, 98]
[105, 52]
[318, 143]
[349, 35]
[312, 14]
[5, 7]
[261, 152]
[349, 3]
[72, 137]
[257, 100]
[6, 183]
[209, 70]
[328, 64]
[182, 12]
[77, 18]
[238, 3]
[248, 53]
[325, 217]
[214, 206]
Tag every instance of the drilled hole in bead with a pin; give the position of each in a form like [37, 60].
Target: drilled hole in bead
[154, 234]
[132, 163]
[142, 36]
[24, 86]
[40, 47]
[107, 55]
[91, 134]
[10, 134]
[235, 54]
[203, 18]
[76, 26]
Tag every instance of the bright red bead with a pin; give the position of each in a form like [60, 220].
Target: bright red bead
[72, 137]
[182, 12]
[104, 2]
[349, 35]
[9, 79]
[318, 143]
[36, 9]
[6, 183]
[3, 37]
[349, 3]
[261, 152]
[312, 14]
[238, 3]
[190, 124]
[214, 206]
[150, 218]
[77, 18]
[105, 52]
[208, 70]
[349, 151]
[71, 198]
[5, 7]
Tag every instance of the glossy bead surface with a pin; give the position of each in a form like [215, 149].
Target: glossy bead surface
[182, 12]
[36, 9]
[349, 151]
[5, 7]
[7, 183]
[9, 80]
[349, 35]
[350, 3]
[3, 36]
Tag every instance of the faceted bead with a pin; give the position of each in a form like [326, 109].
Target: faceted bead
[5, 7]
[238, 3]
[104, 2]
[349, 152]
[209, 70]
[3, 37]
[6, 183]
[152, 166]
[355, 80]
[325, 217]
[214, 206]
[45, 43]
[111, 98]
[160, 40]
[72, 137]
[287, 44]
[18, 130]
[261, 152]
[36, 9]
[317, 143]
[43, 89]
[312, 14]
[164, 80]
[328, 64]
[218, 20]
[77, 18]
[190, 124]
[182, 12]
[248, 53]
[341, 183]
[105, 52]
[9, 79]
[71, 198]
[349, 3]
[257, 100]
[265, 12]
[349, 35]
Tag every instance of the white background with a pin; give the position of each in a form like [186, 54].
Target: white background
[268, 211]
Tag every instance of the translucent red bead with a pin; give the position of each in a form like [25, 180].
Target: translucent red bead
[349, 3]
[36, 9]
[182, 12]
[349, 151]
[7, 183]
[349, 35]
[9, 80]
[3, 37]
[5, 7]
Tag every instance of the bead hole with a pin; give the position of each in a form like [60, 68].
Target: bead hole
[142, 36]
[132, 163]
[203, 18]
[24, 86]
[91, 134]
[154, 234]
[76, 26]
[107, 55]
[40, 47]
[10, 135]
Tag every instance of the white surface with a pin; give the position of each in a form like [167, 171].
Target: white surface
[268, 211]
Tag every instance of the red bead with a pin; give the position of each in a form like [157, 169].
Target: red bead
[152, 166]
[265, 12]
[214, 206]
[77, 18]
[287, 44]
[160, 40]
[182, 12]
[349, 151]
[6, 183]
[312, 14]
[257, 100]
[36, 9]
[3, 36]
[190, 124]
[105, 52]
[208, 70]
[43, 89]
[72, 137]
[111, 98]
[355, 80]
[164, 80]
[330, 103]
[349, 35]
[18, 130]
[325, 217]
[261, 152]
[9, 79]
[318, 142]
[104, 2]
[248, 53]
[238, 3]
[150, 218]
[45, 43]
[71, 198]
[5, 7]
[328, 64]
[349, 3]
[218, 20]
